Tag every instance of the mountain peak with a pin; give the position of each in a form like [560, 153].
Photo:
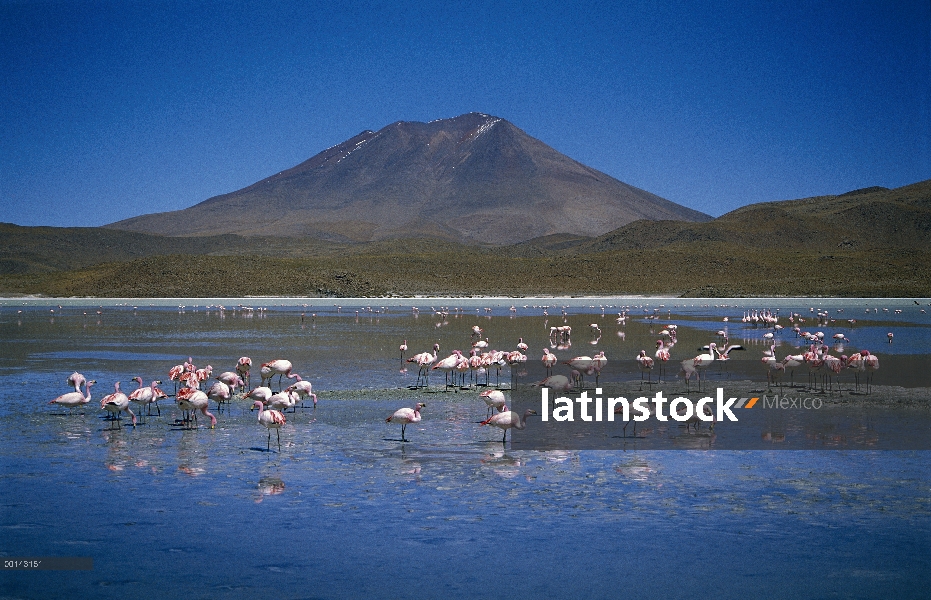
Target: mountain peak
[474, 177]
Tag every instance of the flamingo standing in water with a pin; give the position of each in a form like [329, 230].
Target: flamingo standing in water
[870, 365]
[549, 360]
[145, 397]
[557, 383]
[403, 349]
[405, 416]
[270, 419]
[694, 366]
[582, 364]
[279, 367]
[495, 400]
[191, 400]
[74, 399]
[662, 357]
[243, 365]
[522, 346]
[423, 362]
[509, 420]
[304, 390]
[76, 380]
[219, 392]
[646, 366]
[260, 393]
[232, 380]
[448, 364]
[283, 401]
[117, 403]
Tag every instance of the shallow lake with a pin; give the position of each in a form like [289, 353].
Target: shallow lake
[346, 509]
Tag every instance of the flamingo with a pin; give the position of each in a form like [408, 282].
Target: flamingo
[581, 364]
[77, 380]
[792, 362]
[303, 389]
[279, 367]
[117, 403]
[232, 380]
[833, 367]
[494, 399]
[557, 383]
[243, 365]
[509, 420]
[191, 400]
[283, 401]
[403, 349]
[724, 356]
[219, 392]
[423, 362]
[549, 360]
[662, 357]
[270, 419]
[646, 366]
[598, 363]
[145, 396]
[405, 416]
[871, 365]
[522, 346]
[694, 366]
[74, 399]
[203, 374]
[448, 364]
[890, 336]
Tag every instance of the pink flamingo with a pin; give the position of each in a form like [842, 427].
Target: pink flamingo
[279, 367]
[145, 396]
[448, 364]
[283, 401]
[662, 357]
[117, 403]
[581, 364]
[76, 380]
[74, 399]
[232, 380]
[203, 374]
[260, 393]
[270, 419]
[304, 390]
[549, 360]
[423, 362]
[191, 400]
[695, 366]
[557, 383]
[509, 420]
[833, 367]
[405, 416]
[646, 366]
[242, 367]
[219, 392]
[495, 400]
[403, 349]
[522, 346]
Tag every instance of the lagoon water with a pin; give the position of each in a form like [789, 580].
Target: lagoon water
[347, 510]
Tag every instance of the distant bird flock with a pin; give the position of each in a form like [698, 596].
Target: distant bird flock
[195, 388]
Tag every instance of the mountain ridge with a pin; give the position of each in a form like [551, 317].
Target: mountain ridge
[472, 178]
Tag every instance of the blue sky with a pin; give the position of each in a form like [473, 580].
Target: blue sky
[124, 108]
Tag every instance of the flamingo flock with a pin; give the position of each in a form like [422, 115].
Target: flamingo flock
[195, 388]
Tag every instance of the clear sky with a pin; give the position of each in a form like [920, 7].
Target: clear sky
[130, 107]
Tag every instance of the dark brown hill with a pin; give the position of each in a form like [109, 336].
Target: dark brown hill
[859, 220]
[473, 178]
